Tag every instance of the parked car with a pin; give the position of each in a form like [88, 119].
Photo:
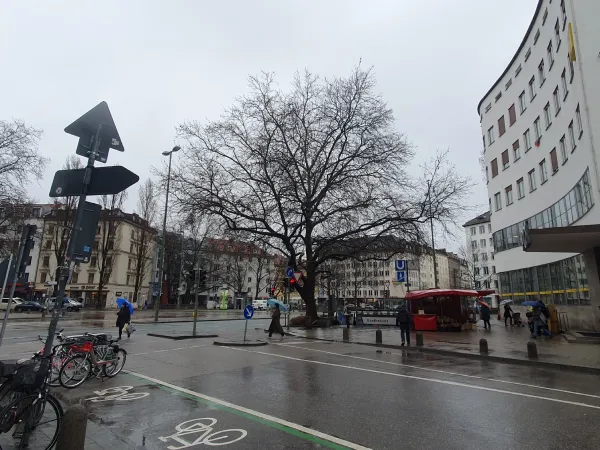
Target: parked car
[69, 304]
[259, 305]
[15, 301]
[30, 306]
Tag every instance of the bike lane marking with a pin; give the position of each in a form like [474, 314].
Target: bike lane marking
[294, 429]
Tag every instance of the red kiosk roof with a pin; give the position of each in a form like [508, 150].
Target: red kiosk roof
[415, 295]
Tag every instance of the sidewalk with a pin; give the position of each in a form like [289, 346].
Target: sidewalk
[506, 344]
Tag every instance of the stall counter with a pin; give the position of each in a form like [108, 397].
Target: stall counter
[425, 322]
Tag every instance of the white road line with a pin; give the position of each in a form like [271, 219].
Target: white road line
[252, 412]
[168, 350]
[495, 380]
[300, 342]
[414, 377]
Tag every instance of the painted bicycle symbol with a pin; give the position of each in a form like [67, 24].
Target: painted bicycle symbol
[203, 431]
[120, 393]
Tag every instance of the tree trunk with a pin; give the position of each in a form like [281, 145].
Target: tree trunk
[308, 295]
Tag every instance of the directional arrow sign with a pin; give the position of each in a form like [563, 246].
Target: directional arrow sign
[105, 180]
[86, 127]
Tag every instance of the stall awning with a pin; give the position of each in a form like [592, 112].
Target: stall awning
[574, 239]
[414, 295]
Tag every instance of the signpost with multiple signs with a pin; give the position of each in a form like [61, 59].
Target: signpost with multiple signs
[97, 134]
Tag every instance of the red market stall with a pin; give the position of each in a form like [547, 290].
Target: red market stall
[442, 309]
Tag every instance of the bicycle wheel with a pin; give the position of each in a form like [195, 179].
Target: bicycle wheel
[225, 437]
[31, 422]
[74, 371]
[112, 369]
[56, 364]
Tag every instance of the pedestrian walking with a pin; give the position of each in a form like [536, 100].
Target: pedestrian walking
[485, 316]
[508, 315]
[403, 320]
[275, 322]
[123, 318]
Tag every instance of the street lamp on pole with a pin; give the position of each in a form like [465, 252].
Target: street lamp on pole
[168, 153]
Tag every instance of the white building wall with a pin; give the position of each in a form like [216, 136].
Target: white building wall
[481, 256]
[506, 93]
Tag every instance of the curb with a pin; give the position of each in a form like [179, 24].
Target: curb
[181, 337]
[240, 343]
[499, 359]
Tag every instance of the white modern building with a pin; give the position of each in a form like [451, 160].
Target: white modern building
[480, 253]
[539, 121]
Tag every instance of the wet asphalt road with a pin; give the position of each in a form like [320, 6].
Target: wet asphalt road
[295, 393]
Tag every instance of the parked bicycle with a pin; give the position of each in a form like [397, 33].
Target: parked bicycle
[99, 356]
[29, 415]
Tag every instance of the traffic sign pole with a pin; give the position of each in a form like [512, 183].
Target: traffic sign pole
[195, 299]
[66, 268]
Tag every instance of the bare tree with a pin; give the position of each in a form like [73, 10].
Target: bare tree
[474, 276]
[110, 239]
[310, 169]
[261, 265]
[146, 236]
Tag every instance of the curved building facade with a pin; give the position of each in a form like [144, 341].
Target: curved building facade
[538, 122]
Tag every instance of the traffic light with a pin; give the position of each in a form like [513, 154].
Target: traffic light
[26, 258]
[272, 292]
[202, 279]
[292, 283]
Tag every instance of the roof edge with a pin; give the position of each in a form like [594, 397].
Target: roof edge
[514, 58]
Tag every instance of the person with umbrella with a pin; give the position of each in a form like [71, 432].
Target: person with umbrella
[275, 324]
[484, 310]
[123, 316]
[508, 314]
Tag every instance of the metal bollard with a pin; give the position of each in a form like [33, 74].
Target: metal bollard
[532, 350]
[419, 339]
[71, 435]
[378, 337]
[346, 334]
[483, 346]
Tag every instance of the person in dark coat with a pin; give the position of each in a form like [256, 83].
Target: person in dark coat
[485, 313]
[403, 320]
[123, 317]
[508, 315]
[275, 323]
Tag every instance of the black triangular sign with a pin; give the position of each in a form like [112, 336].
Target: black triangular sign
[87, 125]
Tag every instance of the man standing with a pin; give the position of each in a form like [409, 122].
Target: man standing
[508, 315]
[404, 319]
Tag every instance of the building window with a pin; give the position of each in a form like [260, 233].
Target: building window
[484, 256]
[486, 271]
[473, 245]
[579, 122]
[490, 135]
[520, 188]
[90, 278]
[532, 184]
[108, 261]
[522, 103]
[541, 73]
[563, 149]
[46, 261]
[556, 97]
[129, 264]
[572, 136]
[494, 167]
[498, 201]
[498, 97]
[501, 126]
[543, 171]
[43, 277]
[565, 86]
[557, 34]
[528, 54]
[128, 280]
[547, 115]
[527, 140]
[482, 243]
[553, 160]
[537, 129]
[487, 175]
[50, 229]
[563, 12]
[508, 84]
[48, 245]
[512, 115]
[75, 278]
[509, 195]
[536, 37]
[93, 261]
[545, 17]
[249, 279]
[571, 70]
[505, 160]
[475, 257]
[489, 227]
[550, 56]
[481, 229]
[516, 150]
[531, 89]
[518, 71]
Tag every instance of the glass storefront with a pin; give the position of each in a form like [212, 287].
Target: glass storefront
[563, 213]
[561, 283]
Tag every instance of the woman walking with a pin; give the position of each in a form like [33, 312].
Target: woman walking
[123, 318]
[275, 324]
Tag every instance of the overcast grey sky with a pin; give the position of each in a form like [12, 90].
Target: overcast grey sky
[158, 63]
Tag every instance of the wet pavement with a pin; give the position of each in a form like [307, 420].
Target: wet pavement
[297, 393]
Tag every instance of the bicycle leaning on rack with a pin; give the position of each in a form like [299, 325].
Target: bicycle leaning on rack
[99, 356]
[30, 415]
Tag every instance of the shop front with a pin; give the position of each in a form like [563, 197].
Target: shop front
[86, 294]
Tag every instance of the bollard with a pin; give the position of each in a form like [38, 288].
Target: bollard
[378, 337]
[532, 350]
[483, 346]
[345, 334]
[71, 435]
[419, 339]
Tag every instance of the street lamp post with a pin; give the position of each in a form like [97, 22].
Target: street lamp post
[164, 232]
[435, 273]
